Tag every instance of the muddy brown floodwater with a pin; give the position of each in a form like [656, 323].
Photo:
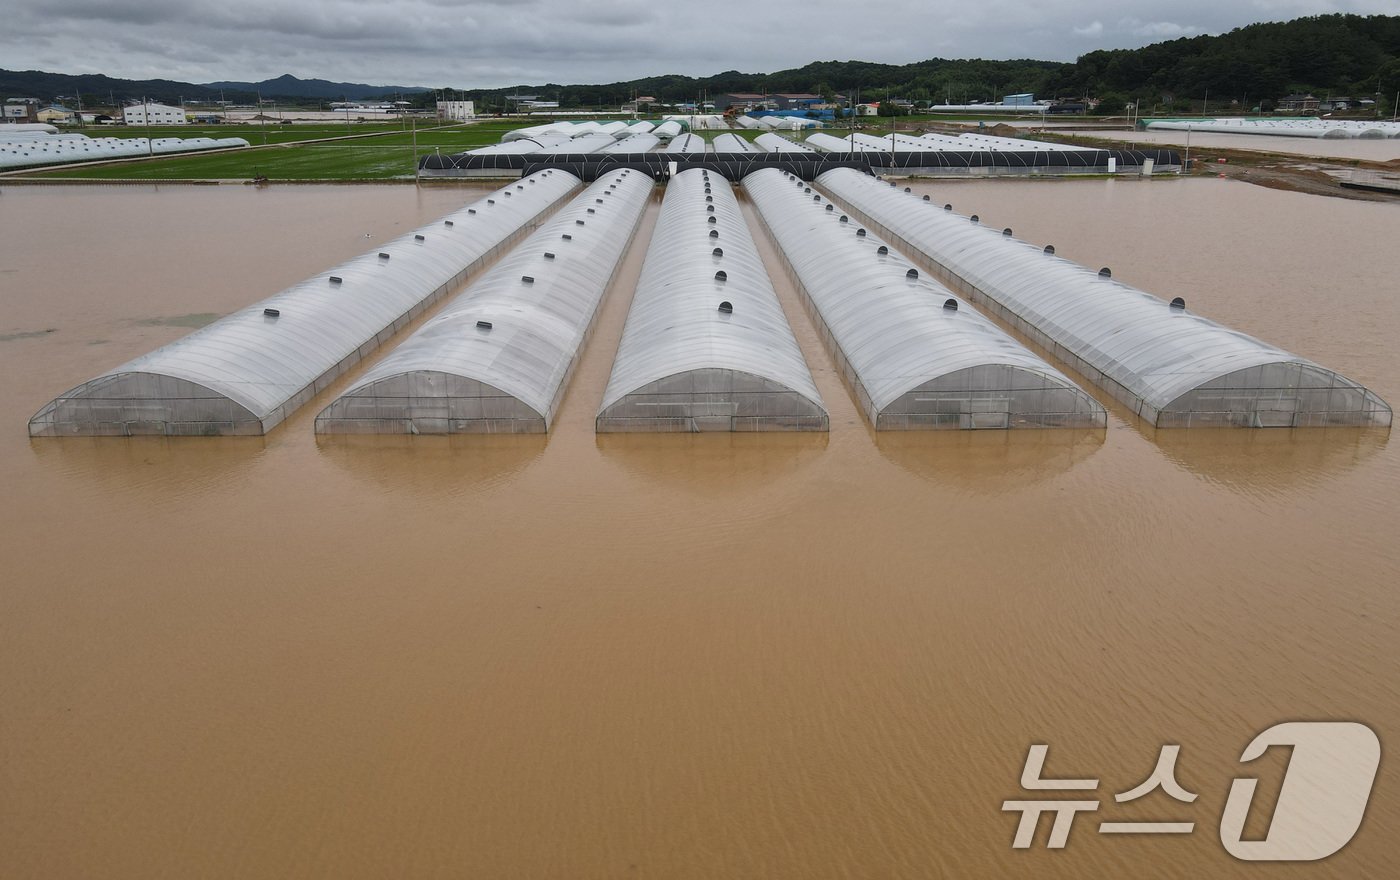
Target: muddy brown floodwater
[675, 656]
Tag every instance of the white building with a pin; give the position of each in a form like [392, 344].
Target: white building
[456, 111]
[153, 114]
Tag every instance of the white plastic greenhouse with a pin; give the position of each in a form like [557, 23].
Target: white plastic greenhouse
[686, 143]
[828, 143]
[637, 143]
[732, 143]
[667, 130]
[23, 150]
[499, 356]
[1171, 367]
[247, 372]
[776, 143]
[706, 346]
[915, 356]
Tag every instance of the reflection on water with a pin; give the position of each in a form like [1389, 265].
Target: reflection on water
[988, 462]
[148, 467]
[448, 465]
[678, 656]
[712, 464]
[1270, 459]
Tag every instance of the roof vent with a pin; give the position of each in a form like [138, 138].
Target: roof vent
[830, 206]
[714, 233]
[1050, 249]
[843, 218]
[483, 325]
[271, 313]
[1105, 272]
[507, 193]
[950, 305]
[548, 255]
[383, 256]
[448, 222]
[882, 250]
[710, 209]
[469, 211]
[807, 189]
[926, 198]
[816, 198]
[860, 233]
[527, 279]
[974, 218]
[592, 210]
[419, 238]
[948, 207]
[912, 274]
[711, 219]
[1178, 304]
[726, 308]
[717, 252]
[599, 201]
[518, 186]
[1006, 231]
[709, 198]
[580, 222]
[490, 201]
[721, 275]
[568, 237]
[908, 190]
[335, 279]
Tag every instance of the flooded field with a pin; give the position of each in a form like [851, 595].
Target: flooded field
[1381, 150]
[675, 656]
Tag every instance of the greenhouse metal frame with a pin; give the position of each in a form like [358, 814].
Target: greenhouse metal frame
[247, 372]
[1169, 366]
[499, 356]
[706, 346]
[915, 356]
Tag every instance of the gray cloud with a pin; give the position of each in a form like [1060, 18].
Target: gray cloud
[490, 43]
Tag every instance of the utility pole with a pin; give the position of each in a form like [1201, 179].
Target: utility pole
[146, 115]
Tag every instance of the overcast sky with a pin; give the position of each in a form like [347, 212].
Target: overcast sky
[491, 43]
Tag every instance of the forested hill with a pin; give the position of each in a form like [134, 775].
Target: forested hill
[1337, 54]
[1341, 54]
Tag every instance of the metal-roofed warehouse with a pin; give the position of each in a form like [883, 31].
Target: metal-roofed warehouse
[706, 346]
[499, 356]
[248, 371]
[915, 356]
[1172, 368]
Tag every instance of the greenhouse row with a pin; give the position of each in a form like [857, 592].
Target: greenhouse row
[1169, 366]
[246, 372]
[915, 355]
[18, 151]
[706, 345]
[499, 356]
[1331, 129]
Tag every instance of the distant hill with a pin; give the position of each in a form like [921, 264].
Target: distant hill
[1338, 54]
[289, 86]
[100, 89]
[1341, 54]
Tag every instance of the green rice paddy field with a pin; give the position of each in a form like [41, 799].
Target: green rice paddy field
[369, 151]
[357, 151]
